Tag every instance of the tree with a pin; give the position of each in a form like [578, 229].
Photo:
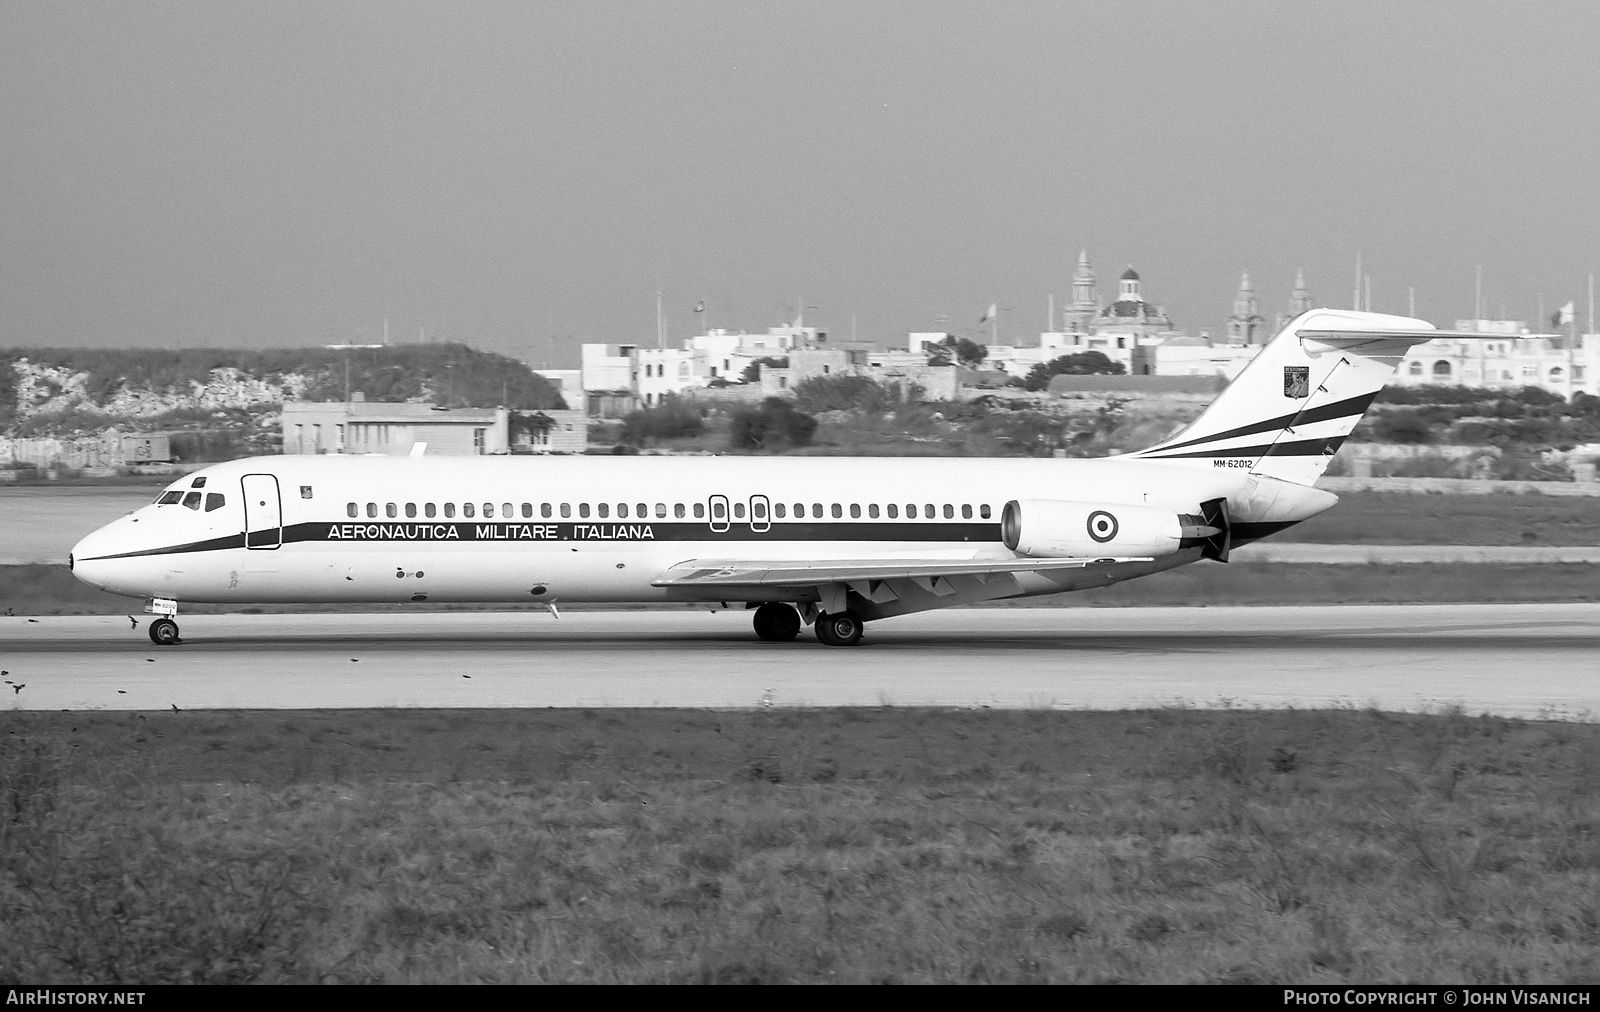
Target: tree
[968, 353]
[772, 426]
[752, 372]
[1083, 363]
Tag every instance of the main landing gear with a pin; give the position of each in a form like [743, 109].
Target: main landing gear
[839, 629]
[777, 623]
[163, 630]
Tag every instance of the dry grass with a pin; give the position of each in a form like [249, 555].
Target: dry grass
[885, 845]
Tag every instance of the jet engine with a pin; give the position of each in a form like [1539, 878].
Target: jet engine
[1057, 529]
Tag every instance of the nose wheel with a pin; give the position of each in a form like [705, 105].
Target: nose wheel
[163, 632]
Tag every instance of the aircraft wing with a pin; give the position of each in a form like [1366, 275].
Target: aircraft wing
[793, 573]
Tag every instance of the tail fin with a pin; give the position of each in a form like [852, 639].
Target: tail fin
[1296, 402]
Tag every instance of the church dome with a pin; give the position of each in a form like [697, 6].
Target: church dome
[1130, 274]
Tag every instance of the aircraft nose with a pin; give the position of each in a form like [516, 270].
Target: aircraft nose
[85, 563]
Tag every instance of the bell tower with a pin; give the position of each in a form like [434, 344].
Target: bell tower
[1085, 298]
[1245, 326]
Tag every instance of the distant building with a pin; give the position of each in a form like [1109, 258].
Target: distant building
[1517, 358]
[1246, 325]
[1130, 315]
[617, 376]
[366, 427]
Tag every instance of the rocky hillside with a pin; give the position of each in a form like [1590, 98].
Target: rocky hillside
[73, 391]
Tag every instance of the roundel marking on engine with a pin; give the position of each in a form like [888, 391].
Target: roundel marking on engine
[1102, 526]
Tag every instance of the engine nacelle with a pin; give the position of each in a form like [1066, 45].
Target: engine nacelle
[1056, 529]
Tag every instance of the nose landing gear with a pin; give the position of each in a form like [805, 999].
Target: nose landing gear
[164, 630]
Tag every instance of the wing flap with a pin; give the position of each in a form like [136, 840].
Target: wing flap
[789, 573]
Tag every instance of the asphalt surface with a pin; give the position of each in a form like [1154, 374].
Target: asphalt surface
[1516, 660]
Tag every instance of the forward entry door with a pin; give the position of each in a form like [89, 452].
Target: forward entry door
[263, 513]
[760, 514]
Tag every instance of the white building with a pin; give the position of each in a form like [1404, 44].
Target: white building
[652, 374]
[1514, 358]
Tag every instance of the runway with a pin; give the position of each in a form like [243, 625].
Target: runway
[1511, 660]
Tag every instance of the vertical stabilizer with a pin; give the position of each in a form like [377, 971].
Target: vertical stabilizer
[1297, 401]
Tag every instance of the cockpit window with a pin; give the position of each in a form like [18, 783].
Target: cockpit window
[214, 501]
[192, 500]
[198, 483]
[168, 498]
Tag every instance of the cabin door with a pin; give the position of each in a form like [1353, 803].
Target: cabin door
[719, 514]
[263, 514]
[760, 514]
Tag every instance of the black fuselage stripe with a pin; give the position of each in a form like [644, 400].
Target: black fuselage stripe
[1338, 409]
[579, 532]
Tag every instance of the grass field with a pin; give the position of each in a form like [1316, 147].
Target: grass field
[851, 846]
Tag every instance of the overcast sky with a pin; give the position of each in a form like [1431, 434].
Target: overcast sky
[289, 173]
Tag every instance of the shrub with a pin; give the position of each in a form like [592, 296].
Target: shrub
[843, 393]
[772, 426]
[673, 418]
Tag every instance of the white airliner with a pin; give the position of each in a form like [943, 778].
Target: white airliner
[831, 542]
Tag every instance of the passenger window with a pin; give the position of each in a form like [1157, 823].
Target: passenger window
[604, 510]
[816, 510]
[758, 510]
[661, 510]
[644, 511]
[214, 501]
[855, 511]
[192, 500]
[527, 510]
[467, 509]
[506, 511]
[949, 512]
[566, 510]
[583, 510]
[738, 511]
[983, 511]
[799, 511]
[449, 510]
[352, 509]
[678, 510]
[544, 510]
[718, 511]
[699, 511]
[838, 511]
[622, 511]
[305, 491]
[488, 510]
[911, 511]
[966, 512]
[778, 510]
[429, 511]
[872, 511]
[372, 509]
[390, 510]
[411, 510]
[894, 511]
[929, 512]
[168, 498]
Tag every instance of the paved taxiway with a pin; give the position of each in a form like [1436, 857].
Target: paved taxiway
[1516, 660]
